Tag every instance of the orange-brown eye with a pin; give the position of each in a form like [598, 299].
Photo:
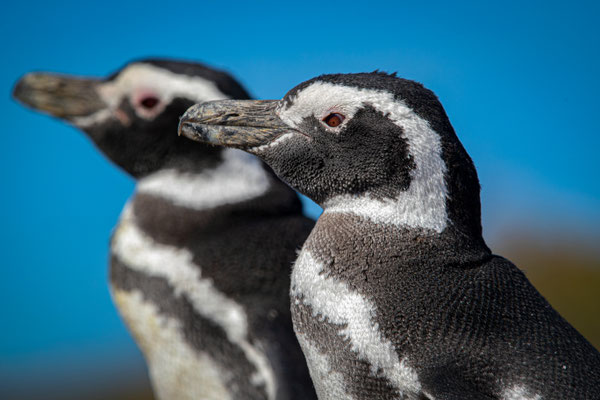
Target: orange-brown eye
[334, 119]
[149, 102]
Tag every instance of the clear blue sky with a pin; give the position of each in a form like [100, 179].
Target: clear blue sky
[519, 81]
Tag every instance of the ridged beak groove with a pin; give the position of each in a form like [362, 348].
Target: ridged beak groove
[242, 124]
[59, 95]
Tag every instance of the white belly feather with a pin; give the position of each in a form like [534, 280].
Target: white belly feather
[141, 253]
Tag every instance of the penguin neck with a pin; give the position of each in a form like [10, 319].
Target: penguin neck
[438, 198]
[409, 210]
[414, 213]
[408, 244]
[235, 178]
[239, 188]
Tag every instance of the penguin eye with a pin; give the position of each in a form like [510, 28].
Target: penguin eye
[334, 119]
[149, 102]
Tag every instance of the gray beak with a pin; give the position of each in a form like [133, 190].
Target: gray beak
[59, 95]
[242, 124]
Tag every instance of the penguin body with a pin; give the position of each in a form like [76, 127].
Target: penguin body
[395, 294]
[468, 326]
[201, 256]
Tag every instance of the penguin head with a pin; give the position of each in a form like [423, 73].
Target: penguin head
[368, 143]
[132, 115]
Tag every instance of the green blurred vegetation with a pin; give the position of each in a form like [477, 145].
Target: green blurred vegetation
[566, 273]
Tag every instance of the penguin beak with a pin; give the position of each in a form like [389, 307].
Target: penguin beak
[59, 95]
[243, 124]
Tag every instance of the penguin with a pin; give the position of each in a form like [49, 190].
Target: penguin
[395, 294]
[200, 260]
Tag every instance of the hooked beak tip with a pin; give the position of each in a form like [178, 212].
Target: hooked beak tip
[179, 126]
[191, 130]
[242, 124]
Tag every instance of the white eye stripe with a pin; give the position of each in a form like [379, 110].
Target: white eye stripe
[140, 78]
[322, 98]
[424, 203]
[166, 85]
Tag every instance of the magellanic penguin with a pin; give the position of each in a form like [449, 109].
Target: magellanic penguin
[395, 294]
[202, 255]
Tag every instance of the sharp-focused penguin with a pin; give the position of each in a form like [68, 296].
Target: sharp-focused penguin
[395, 294]
[202, 255]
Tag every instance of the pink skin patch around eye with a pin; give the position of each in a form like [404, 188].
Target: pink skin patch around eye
[147, 103]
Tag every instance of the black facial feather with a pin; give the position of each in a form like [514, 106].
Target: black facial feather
[368, 155]
[359, 165]
[145, 146]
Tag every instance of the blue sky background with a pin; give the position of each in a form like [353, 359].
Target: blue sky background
[519, 81]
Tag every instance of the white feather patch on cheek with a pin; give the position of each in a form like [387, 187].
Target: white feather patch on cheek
[424, 203]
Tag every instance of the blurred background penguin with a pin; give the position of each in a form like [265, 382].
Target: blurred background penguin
[518, 81]
[200, 257]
